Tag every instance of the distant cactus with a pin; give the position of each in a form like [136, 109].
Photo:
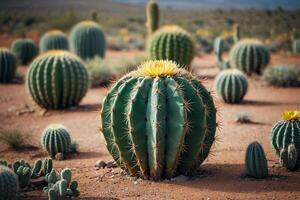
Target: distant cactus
[172, 43]
[87, 40]
[8, 184]
[8, 65]
[231, 85]
[288, 157]
[256, 162]
[56, 139]
[219, 45]
[237, 33]
[54, 40]
[249, 56]
[63, 83]
[152, 13]
[36, 170]
[24, 175]
[296, 46]
[25, 50]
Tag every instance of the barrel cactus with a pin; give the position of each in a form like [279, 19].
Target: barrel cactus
[56, 139]
[152, 12]
[296, 46]
[250, 56]
[231, 85]
[256, 162]
[53, 40]
[57, 79]
[88, 40]
[8, 66]
[285, 134]
[25, 50]
[172, 43]
[8, 184]
[159, 121]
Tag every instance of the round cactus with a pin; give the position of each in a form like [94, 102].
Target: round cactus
[296, 46]
[25, 50]
[88, 40]
[152, 12]
[56, 139]
[256, 162]
[8, 184]
[172, 43]
[53, 40]
[57, 79]
[250, 56]
[8, 66]
[231, 85]
[287, 132]
[159, 121]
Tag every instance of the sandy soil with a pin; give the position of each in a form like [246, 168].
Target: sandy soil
[223, 173]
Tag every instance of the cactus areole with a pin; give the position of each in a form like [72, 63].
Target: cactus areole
[159, 121]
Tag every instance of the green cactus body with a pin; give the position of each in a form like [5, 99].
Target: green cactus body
[47, 167]
[152, 12]
[159, 121]
[56, 139]
[237, 33]
[287, 132]
[24, 175]
[172, 43]
[8, 65]
[52, 194]
[35, 172]
[249, 56]
[8, 184]
[288, 157]
[51, 177]
[25, 50]
[57, 80]
[3, 163]
[66, 174]
[54, 40]
[296, 46]
[231, 85]
[219, 48]
[256, 162]
[87, 40]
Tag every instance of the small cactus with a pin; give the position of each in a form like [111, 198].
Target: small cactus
[46, 167]
[25, 50]
[152, 13]
[35, 172]
[24, 175]
[237, 33]
[288, 157]
[8, 65]
[54, 40]
[8, 184]
[219, 48]
[296, 46]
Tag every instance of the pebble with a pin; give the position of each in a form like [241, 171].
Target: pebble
[59, 156]
[111, 164]
[100, 164]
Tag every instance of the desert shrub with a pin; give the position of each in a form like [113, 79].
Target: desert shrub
[282, 75]
[14, 138]
[243, 118]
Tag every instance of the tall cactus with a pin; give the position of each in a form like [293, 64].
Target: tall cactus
[25, 50]
[57, 79]
[159, 121]
[231, 85]
[256, 162]
[172, 43]
[237, 33]
[54, 40]
[152, 14]
[8, 65]
[250, 56]
[296, 46]
[219, 45]
[286, 133]
[8, 184]
[87, 40]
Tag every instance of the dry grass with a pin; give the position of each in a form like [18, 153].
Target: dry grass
[14, 138]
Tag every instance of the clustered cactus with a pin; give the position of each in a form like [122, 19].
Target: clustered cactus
[54, 40]
[57, 79]
[152, 12]
[8, 184]
[25, 50]
[231, 85]
[296, 46]
[8, 65]
[172, 43]
[159, 121]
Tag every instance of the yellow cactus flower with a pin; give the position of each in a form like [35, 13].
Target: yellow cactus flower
[290, 115]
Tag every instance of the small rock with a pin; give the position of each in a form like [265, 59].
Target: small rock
[135, 182]
[100, 164]
[111, 164]
[59, 156]
[180, 178]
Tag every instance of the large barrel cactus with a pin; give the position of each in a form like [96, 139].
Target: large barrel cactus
[296, 46]
[256, 162]
[57, 79]
[152, 12]
[53, 40]
[8, 65]
[231, 85]
[285, 134]
[172, 43]
[56, 139]
[25, 50]
[250, 56]
[88, 40]
[8, 184]
[159, 121]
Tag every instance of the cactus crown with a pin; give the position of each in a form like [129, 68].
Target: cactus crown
[4, 49]
[58, 52]
[289, 115]
[55, 32]
[88, 23]
[56, 126]
[250, 41]
[158, 68]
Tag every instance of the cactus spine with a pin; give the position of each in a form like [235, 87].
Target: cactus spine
[87, 40]
[172, 43]
[8, 184]
[296, 46]
[249, 56]
[57, 80]
[8, 66]
[54, 40]
[177, 127]
[256, 162]
[56, 139]
[25, 50]
[152, 12]
[231, 85]
[286, 134]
